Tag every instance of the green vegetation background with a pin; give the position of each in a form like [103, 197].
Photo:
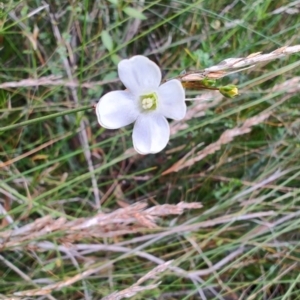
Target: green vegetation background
[65, 166]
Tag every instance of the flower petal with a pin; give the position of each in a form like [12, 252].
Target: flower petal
[139, 74]
[116, 109]
[171, 99]
[151, 133]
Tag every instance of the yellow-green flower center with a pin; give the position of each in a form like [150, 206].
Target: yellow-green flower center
[149, 101]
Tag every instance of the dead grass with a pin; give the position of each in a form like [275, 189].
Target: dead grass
[215, 216]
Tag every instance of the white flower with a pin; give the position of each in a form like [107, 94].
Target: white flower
[144, 102]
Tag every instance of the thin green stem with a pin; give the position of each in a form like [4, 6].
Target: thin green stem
[48, 117]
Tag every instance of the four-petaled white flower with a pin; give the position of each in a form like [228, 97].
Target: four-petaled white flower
[144, 102]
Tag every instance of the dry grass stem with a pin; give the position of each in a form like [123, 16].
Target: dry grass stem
[134, 289]
[219, 265]
[234, 65]
[83, 138]
[54, 81]
[126, 220]
[267, 285]
[224, 139]
[36, 149]
[290, 86]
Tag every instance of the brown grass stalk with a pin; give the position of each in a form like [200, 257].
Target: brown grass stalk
[224, 139]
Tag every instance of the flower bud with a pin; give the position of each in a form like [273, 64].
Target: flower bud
[209, 83]
[229, 91]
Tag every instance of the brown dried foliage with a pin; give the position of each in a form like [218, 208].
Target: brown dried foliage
[131, 219]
